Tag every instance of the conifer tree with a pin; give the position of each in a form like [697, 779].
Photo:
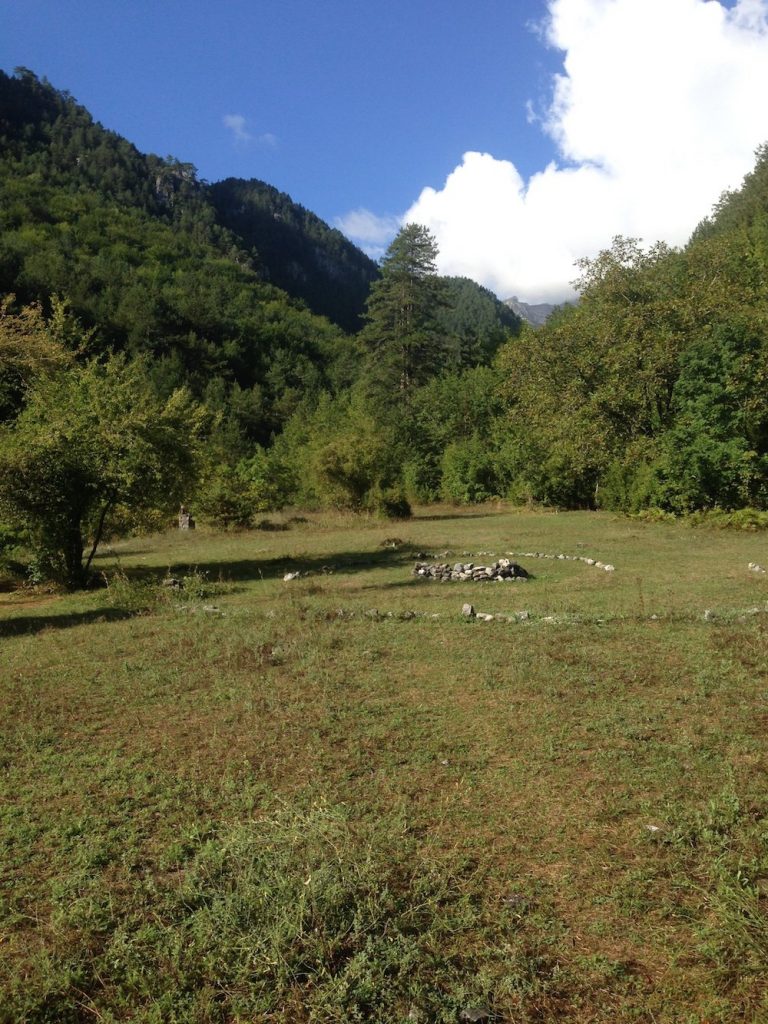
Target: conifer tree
[405, 341]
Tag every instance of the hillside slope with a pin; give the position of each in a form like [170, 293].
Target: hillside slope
[297, 251]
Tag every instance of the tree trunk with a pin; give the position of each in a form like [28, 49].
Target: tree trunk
[73, 556]
[97, 538]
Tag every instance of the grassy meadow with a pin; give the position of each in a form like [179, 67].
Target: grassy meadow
[255, 800]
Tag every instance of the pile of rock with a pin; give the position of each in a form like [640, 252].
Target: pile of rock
[501, 571]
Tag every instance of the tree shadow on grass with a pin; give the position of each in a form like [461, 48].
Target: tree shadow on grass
[20, 625]
[336, 563]
[241, 570]
[437, 518]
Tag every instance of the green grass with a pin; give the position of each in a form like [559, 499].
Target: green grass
[285, 809]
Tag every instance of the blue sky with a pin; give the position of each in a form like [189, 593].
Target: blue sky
[524, 133]
[347, 103]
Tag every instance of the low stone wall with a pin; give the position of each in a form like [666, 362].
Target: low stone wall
[605, 566]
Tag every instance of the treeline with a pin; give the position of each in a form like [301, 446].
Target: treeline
[649, 394]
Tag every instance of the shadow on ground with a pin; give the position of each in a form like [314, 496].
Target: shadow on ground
[23, 624]
[339, 563]
[438, 518]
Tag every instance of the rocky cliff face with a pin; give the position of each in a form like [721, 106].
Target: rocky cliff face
[533, 314]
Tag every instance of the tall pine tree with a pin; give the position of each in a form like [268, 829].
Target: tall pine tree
[405, 341]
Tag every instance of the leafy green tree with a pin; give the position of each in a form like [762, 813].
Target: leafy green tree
[341, 454]
[29, 346]
[403, 336]
[470, 471]
[233, 495]
[89, 440]
[716, 452]
[447, 411]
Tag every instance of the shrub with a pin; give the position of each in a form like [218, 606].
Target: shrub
[469, 472]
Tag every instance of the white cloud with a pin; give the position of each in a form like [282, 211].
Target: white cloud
[368, 230]
[658, 109]
[237, 124]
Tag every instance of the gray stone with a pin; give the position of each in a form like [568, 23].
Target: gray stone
[186, 522]
[474, 1014]
[468, 611]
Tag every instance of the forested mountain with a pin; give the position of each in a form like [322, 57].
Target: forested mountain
[477, 321]
[295, 249]
[132, 242]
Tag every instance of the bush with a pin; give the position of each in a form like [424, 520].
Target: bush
[234, 495]
[469, 472]
[630, 483]
[11, 539]
[390, 504]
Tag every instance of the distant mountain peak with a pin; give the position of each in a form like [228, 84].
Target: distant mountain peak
[536, 314]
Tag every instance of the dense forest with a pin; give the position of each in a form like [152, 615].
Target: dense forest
[165, 338]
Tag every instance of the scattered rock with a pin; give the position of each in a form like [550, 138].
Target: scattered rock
[291, 576]
[475, 1014]
[468, 611]
[709, 615]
